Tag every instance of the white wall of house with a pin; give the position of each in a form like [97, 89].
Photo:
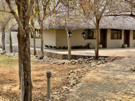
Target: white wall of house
[59, 38]
[76, 39]
[50, 37]
[14, 38]
[14, 41]
[38, 42]
[7, 38]
[114, 43]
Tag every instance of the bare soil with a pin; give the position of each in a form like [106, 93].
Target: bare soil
[9, 79]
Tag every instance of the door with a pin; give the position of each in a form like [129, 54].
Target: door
[127, 37]
[103, 38]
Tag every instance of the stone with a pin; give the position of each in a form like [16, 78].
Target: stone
[3, 52]
[63, 62]
[56, 97]
[73, 82]
[40, 57]
[99, 62]
[55, 93]
[80, 62]
[93, 64]
[73, 62]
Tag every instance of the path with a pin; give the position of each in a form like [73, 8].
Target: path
[128, 52]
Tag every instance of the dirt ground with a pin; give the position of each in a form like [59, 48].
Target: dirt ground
[114, 81]
[9, 82]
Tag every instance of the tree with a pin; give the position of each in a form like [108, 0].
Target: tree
[24, 9]
[68, 15]
[94, 10]
[70, 7]
[67, 31]
[43, 9]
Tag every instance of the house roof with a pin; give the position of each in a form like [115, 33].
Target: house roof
[78, 21]
[119, 22]
[110, 22]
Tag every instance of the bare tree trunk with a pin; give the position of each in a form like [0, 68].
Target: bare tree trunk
[24, 55]
[24, 70]
[69, 46]
[3, 39]
[97, 40]
[42, 41]
[19, 59]
[25, 64]
[10, 42]
[34, 41]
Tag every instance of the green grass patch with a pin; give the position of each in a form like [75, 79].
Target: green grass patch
[8, 61]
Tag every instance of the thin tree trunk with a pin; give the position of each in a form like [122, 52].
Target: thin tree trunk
[42, 41]
[97, 40]
[3, 39]
[69, 46]
[10, 42]
[68, 41]
[34, 41]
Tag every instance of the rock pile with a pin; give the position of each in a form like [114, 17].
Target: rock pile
[2, 52]
[79, 61]
[74, 76]
[13, 54]
[72, 79]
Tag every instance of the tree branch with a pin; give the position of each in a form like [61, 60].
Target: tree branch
[28, 13]
[131, 15]
[15, 15]
[5, 11]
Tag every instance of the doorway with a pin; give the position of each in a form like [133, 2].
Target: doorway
[103, 38]
[127, 37]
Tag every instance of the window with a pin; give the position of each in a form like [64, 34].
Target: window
[116, 34]
[133, 34]
[37, 33]
[89, 34]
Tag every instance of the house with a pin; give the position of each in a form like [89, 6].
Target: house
[114, 32]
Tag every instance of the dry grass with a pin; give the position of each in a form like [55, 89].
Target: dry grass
[9, 82]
